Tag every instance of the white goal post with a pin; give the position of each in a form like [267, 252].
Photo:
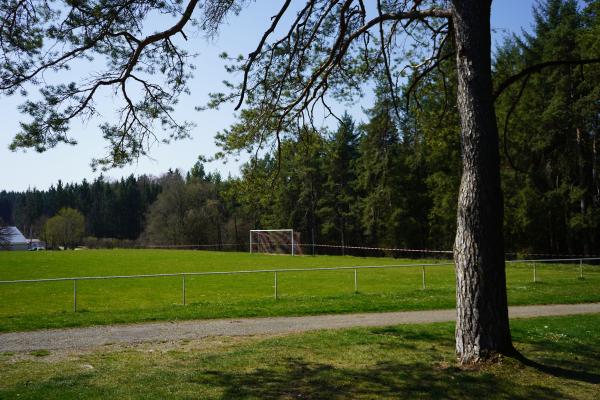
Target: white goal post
[274, 241]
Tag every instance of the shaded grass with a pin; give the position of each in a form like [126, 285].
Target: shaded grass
[411, 361]
[47, 305]
[40, 353]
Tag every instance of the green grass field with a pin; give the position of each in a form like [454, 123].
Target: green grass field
[378, 363]
[50, 304]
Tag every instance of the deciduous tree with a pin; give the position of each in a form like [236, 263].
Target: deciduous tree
[65, 229]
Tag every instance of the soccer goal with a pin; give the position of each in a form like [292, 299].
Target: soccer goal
[275, 241]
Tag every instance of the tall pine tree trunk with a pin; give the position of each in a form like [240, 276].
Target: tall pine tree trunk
[584, 233]
[482, 328]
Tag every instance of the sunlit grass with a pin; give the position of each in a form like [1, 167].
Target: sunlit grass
[50, 304]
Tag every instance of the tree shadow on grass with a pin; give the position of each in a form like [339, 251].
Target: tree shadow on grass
[574, 359]
[408, 339]
[559, 372]
[300, 379]
[414, 367]
[64, 386]
[297, 378]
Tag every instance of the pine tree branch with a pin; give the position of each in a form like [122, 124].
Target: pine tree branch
[538, 68]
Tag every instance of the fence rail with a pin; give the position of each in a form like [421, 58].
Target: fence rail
[275, 271]
[251, 271]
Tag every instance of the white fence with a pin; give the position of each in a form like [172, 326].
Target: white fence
[275, 273]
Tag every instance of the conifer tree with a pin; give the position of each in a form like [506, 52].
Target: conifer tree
[337, 207]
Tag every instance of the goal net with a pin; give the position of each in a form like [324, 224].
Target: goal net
[275, 241]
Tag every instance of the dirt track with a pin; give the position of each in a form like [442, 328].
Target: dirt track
[84, 338]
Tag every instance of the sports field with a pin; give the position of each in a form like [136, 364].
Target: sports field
[50, 304]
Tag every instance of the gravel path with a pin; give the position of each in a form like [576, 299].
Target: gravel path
[83, 338]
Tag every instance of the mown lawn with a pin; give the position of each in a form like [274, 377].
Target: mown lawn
[50, 304]
[385, 363]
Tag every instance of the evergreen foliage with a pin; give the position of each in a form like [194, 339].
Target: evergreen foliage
[111, 209]
[391, 180]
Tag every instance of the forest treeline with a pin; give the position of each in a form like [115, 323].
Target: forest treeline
[392, 180]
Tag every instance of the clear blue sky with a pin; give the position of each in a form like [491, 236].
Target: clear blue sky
[21, 170]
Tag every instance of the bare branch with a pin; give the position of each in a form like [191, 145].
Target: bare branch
[252, 56]
[538, 68]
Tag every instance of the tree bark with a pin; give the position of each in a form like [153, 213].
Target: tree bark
[482, 327]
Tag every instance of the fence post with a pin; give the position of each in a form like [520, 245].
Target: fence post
[423, 274]
[580, 268]
[183, 288]
[355, 281]
[275, 285]
[534, 274]
[74, 295]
